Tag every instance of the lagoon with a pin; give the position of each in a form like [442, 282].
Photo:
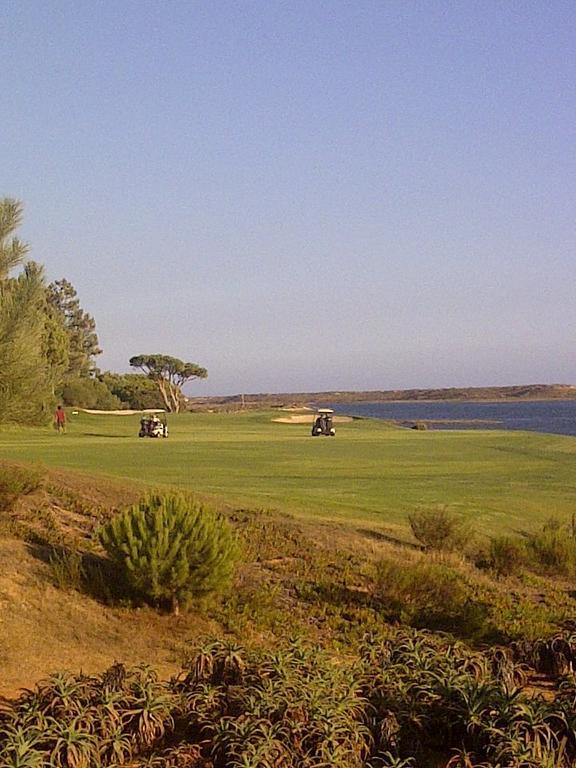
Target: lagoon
[556, 417]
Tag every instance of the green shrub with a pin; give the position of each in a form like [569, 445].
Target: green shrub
[89, 393]
[15, 482]
[170, 549]
[439, 530]
[431, 595]
[66, 569]
[507, 555]
[135, 390]
[553, 549]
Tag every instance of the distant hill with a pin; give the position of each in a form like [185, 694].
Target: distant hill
[284, 399]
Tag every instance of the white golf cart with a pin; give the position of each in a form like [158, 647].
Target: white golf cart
[151, 426]
[323, 423]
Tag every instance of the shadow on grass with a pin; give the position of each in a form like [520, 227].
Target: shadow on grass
[107, 434]
[389, 538]
[338, 595]
[84, 572]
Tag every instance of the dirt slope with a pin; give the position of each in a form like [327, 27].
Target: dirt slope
[45, 629]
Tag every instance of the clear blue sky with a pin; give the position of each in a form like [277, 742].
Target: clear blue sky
[304, 195]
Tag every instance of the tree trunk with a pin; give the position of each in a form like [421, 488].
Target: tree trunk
[174, 397]
[175, 606]
[162, 387]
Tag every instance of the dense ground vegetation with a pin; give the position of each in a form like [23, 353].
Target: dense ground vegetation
[404, 699]
[398, 657]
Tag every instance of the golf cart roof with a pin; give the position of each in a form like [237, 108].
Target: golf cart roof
[324, 410]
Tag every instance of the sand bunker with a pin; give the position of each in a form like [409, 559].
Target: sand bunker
[127, 412]
[308, 418]
[297, 408]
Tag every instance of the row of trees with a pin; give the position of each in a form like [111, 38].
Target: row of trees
[34, 351]
[49, 345]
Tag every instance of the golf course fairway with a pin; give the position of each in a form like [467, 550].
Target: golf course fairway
[371, 473]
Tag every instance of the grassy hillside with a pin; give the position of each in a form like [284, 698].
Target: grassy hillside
[363, 685]
[318, 578]
[371, 473]
[53, 617]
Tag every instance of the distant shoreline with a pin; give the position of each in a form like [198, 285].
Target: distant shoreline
[518, 393]
[466, 400]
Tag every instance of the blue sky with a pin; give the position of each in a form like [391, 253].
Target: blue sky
[304, 195]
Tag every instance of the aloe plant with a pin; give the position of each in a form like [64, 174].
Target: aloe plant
[297, 708]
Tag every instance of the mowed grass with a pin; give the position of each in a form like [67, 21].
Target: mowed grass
[370, 473]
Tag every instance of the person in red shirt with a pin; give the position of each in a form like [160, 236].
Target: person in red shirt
[60, 419]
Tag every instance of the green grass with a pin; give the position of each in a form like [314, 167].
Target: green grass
[370, 473]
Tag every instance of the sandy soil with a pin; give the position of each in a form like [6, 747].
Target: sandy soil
[45, 629]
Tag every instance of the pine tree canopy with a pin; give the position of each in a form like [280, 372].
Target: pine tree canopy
[12, 250]
[27, 373]
[80, 327]
[170, 549]
[170, 374]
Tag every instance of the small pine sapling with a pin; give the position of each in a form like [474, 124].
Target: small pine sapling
[170, 549]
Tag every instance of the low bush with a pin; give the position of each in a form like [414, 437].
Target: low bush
[438, 530]
[134, 390]
[67, 570]
[169, 549]
[89, 393]
[553, 550]
[550, 551]
[16, 481]
[507, 555]
[430, 595]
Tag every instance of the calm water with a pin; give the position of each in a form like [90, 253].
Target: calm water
[557, 417]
